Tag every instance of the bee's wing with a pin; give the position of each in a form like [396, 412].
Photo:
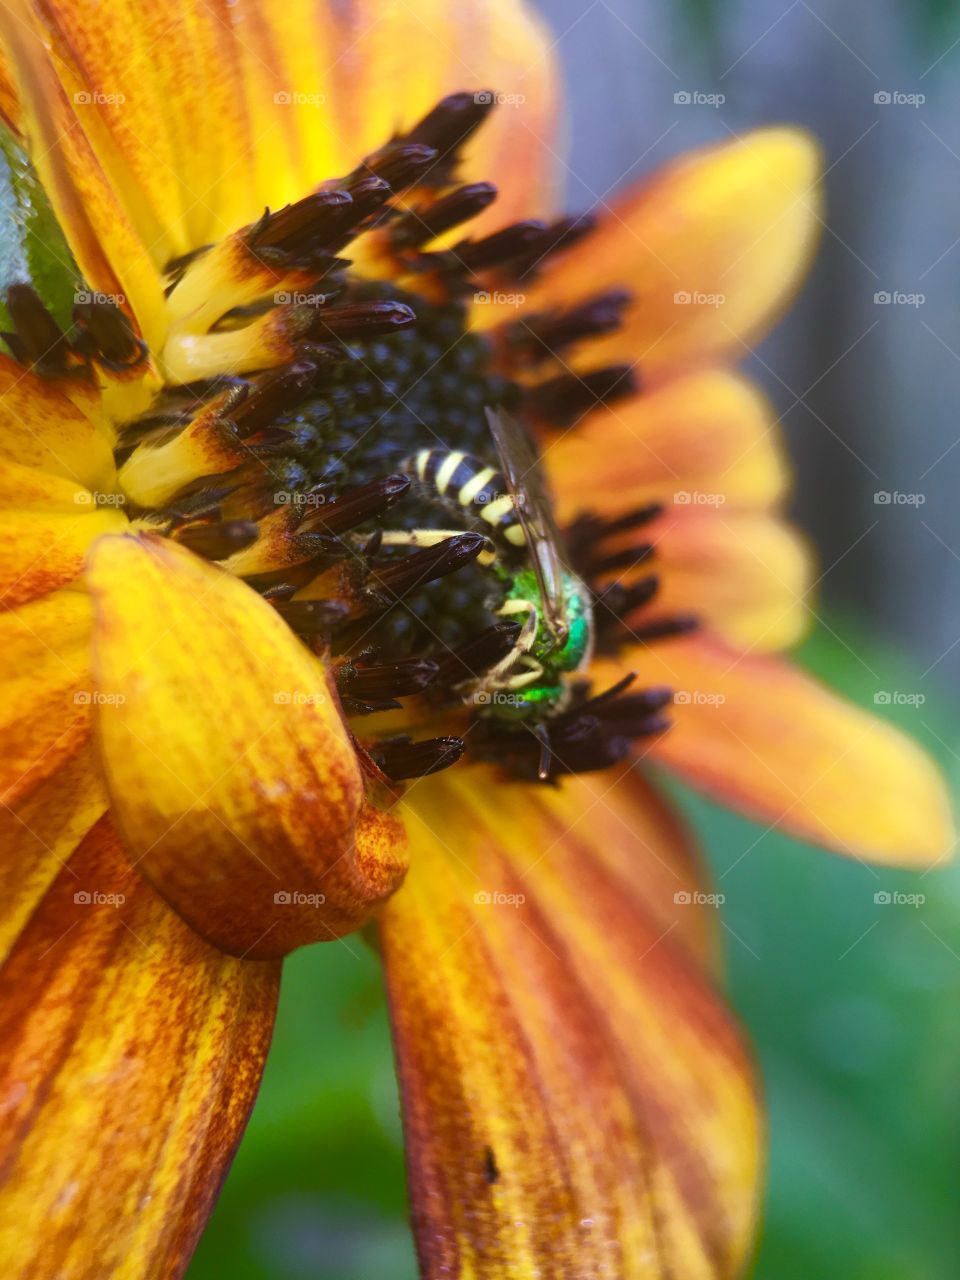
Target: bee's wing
[523, 472]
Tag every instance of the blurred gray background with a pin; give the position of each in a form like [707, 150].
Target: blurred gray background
[868, 392]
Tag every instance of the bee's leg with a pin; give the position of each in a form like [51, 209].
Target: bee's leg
[531, 673]
[528, 631]
[430, 538]
[499, 676]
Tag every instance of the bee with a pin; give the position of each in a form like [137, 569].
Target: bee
[549, 600]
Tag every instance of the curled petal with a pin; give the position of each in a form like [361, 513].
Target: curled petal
[761, 736]
[711, 247]
[131, 1055]
[576, 1099]
[233, 779]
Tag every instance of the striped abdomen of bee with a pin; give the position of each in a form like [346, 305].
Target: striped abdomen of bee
[459, 480]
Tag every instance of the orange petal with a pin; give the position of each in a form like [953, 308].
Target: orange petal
[132, 1052]
[41, 428]
[47, 697]
[233, 778]
[711, 247]
[576, 1099]
[170, 126]
[765, 738]
[47, 524]
[709, 435]
[745, 576]
[39, 834]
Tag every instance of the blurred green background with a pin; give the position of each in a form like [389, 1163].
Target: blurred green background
[852, 1006]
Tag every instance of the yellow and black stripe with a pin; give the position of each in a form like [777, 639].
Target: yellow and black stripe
[461, 480]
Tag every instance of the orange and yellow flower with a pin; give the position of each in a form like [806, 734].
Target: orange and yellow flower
[192, 785]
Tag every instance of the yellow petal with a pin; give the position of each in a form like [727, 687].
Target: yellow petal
[233, 779]
[711, 247]
[47, 524]
[41, 428]
[131, 1055]
[764, 738]
[169, 126]
[707, 435]
[576, 1099]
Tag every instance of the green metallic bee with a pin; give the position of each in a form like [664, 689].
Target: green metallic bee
[552, 604]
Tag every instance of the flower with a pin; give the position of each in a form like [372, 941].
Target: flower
[236, 612]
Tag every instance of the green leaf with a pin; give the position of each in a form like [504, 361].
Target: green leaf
[32, 248]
